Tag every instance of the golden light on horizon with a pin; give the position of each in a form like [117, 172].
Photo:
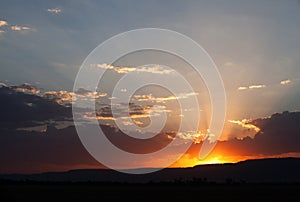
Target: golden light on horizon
[214, 160]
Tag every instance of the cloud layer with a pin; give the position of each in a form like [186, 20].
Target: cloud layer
[156, 69]
[54, 10]
[38, 134]
[3, 23]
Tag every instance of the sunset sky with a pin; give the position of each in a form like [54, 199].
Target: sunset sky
[254, 44]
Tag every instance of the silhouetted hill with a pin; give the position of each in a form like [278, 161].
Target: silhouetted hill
[251, 171]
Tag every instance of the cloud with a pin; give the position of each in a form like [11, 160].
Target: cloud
[3, 84]
[22, 106]
[88, 115]
[61, 97]
[19, 28]
[251, 87]
[54, 10]
[150, 97]
[278, 134]
[66, 98]
[285, 82]
[132, 114]
[33, 125]
[245, 123]
[256, 86]
[3, 23]
[51, 150]
[89, 94]
[228, 64]
[243, 88]
[26, 88]
[135, 111]
[156, 69]
[127, 123]
[278, 137]
[195, 136]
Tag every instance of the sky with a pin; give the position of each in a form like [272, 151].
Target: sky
[254, 44]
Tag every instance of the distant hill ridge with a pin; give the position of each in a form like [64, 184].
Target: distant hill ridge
[275, 170]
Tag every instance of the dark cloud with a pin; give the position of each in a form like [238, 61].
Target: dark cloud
[25, 151]
[60, 149]
[34, 151]
[20, 106]
[279, 134]
[53, 149]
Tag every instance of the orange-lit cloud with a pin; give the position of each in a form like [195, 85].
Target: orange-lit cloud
[245, 123]
[274, 136]
[26, 88]
[136, 113]
[285, 82]
[85, 94]
[39, 128]
[61, 97]
[156, 69]
[196, 137]
[3, 23]
[66, 97]
[251, 87]
[243, 88]
[102, 118]
[225, 152]
[150, 97]
[54, 10]
[256, 86]
[19, 28]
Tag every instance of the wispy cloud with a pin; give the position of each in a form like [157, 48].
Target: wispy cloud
[26, 88]
[3, 23]
[285, 82]
[54, 10]
[228, 64]
[89, 94]
[150, 97]
[242, 88]
[67, 98]
[195, 136]
[3, 84]
[136, 114]
[245, 123]
[89, 115]
[19, 28]
[155, 69]
[258, 86]
[61, 97]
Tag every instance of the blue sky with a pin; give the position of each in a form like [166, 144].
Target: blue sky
[253, 43]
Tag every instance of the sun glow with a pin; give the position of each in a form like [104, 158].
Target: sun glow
[214, 160]
[189, 160]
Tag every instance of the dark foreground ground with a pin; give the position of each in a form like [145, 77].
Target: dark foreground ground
[252, 180]
[30, 191]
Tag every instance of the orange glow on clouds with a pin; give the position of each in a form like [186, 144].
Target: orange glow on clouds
[221, 156]
[188, 160]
